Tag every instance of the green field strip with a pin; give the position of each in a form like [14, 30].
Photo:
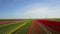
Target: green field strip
[27, 21]
[5, 20]
[57, 20]
[24, 29]
[12, 27]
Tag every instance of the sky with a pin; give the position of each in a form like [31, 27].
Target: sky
[26, 9]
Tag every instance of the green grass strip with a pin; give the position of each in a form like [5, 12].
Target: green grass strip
[19, 27]
[24, 29]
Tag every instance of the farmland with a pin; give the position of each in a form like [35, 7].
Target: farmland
[29, 26]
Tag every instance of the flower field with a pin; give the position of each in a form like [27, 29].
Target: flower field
[29, 26]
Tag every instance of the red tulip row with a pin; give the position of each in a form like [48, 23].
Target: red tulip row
[51, 24]
[12, 21]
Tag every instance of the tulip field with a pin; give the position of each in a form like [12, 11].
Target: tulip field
[29, 26]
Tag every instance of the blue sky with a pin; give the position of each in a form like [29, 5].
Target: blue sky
[18, 9]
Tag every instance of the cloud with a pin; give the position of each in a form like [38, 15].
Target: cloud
[42, 12]
[36, 13]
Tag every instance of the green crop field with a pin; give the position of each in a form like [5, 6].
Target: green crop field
[10, 28]
[54, 19]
